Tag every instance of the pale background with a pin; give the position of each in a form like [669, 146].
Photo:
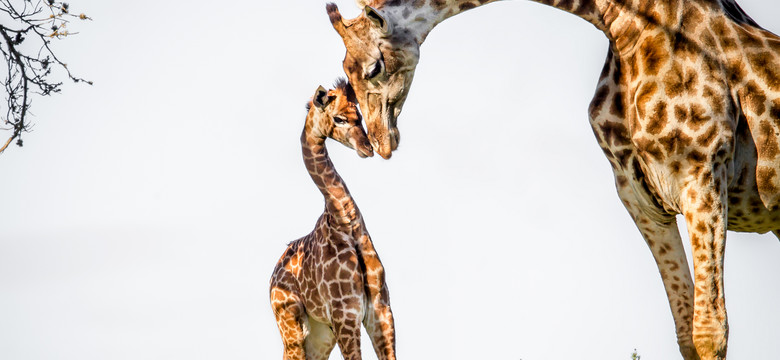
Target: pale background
[144, 215]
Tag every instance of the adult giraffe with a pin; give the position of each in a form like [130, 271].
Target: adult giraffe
[687, 110]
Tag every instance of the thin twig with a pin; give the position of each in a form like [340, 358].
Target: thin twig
[33, 21]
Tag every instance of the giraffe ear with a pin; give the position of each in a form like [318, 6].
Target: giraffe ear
[378, 20]
[321, 98]
[335, 19]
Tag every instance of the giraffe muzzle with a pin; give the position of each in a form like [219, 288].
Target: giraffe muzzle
[364, 149]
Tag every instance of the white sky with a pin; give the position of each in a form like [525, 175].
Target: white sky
[144, 215]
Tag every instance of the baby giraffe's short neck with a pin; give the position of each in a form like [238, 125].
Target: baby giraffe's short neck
[338, 202]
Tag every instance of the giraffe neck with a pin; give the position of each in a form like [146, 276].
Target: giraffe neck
[620, 20]
[338, 202]
[418, 17]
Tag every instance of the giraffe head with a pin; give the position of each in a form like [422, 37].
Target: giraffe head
[334, 114]
[380, 64]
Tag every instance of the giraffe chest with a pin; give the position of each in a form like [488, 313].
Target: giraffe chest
[654, 152]
[661, 105]
[333, 278]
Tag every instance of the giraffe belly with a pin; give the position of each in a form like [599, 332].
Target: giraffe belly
[748, 214]
[746, 210]
[744, 219]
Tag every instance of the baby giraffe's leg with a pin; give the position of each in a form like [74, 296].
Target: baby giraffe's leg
[346, 326]
[289, 313]
[378, 321]
[320, 341]
[381, 329]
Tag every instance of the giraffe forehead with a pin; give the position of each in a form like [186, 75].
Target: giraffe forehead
[343, 106]
[348, 109]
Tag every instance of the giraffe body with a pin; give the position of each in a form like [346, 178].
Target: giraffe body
[330, 281]
[687, 111]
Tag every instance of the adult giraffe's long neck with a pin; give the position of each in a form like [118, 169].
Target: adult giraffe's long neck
[338, 202]
[620, 20]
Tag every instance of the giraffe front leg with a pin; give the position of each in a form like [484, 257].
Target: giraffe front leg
[663, 239]
[666, 245]
[289, 312]
[346, 326]
[704, 208]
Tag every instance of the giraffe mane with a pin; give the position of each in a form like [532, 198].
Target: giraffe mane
[342, 84]
[735, 12]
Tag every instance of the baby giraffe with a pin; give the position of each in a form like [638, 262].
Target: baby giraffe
[329, 281]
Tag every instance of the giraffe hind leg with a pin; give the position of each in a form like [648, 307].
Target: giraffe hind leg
[380, 327]
[378, 318]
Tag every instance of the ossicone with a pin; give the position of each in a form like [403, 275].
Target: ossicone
[335, 18]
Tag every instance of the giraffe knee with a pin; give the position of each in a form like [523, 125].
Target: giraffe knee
[710, 345]
[688, 351]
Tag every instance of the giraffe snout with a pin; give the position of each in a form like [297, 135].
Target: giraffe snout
[365, 149]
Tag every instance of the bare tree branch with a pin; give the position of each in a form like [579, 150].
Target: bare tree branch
[35, 23]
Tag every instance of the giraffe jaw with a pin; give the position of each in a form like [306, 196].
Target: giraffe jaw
[365, 153]
[363, 148]
[381, 121]
[387, 143]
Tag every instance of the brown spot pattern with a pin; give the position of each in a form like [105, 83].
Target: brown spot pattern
[438, 4]
[674, 166]
[465, 6]
[598, 100]
[765, 178]
[616, 107]
[765, 66]
[766, 142]
[716, 100]
[694, 115]
[705, 139]
[748, 40]
[678, 81]
[696, 157]
[645, 94]
[649, 147]
[615, 134]
[657, 119]
[675, 142]
[653, 54]
[754, 98]
[723, 31]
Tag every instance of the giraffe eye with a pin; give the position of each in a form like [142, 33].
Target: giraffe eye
[339, 120]
[376, 69]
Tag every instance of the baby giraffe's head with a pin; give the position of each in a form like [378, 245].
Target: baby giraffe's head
[334, 114]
